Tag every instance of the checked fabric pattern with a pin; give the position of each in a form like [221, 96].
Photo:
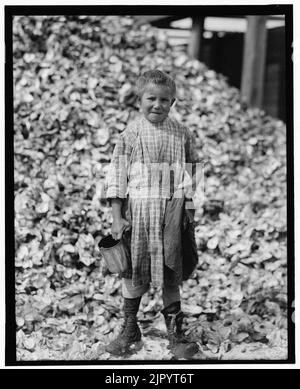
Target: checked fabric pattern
[147, 165]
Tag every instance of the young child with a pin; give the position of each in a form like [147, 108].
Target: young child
[147, 170]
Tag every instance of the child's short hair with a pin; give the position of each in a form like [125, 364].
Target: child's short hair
[155, 77]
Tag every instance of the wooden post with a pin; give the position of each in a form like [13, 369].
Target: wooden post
[254, 59]
[195, 48]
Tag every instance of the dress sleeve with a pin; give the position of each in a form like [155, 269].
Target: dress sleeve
[192, 173]
[117, 175]
[191, 155]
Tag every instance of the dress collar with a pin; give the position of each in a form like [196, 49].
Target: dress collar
[155, 125]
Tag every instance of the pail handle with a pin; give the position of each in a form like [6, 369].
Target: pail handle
[125, 228]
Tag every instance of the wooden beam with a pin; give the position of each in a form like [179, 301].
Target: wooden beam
[254, 59]
[195, 48]
[162, 21]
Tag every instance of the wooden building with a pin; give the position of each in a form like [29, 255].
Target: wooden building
[250, 52]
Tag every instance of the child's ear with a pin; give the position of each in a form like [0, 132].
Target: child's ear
[173, 101]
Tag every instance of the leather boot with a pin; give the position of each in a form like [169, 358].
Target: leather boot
[129, 336]
[179, 344]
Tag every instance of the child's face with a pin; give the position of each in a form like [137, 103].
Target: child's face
[156, 102]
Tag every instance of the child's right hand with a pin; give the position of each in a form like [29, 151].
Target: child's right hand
[118, 227]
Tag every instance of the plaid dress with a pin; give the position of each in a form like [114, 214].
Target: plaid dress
[148, 164]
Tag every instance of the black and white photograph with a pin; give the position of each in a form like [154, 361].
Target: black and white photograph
[149, 176]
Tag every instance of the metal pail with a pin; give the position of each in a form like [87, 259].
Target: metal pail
[115, 253]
